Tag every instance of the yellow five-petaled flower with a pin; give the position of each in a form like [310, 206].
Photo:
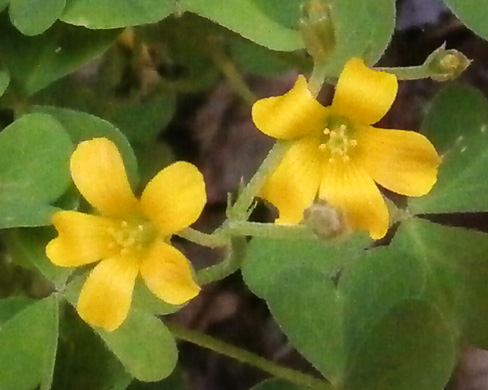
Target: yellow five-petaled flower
[338, 155]
[128, 235]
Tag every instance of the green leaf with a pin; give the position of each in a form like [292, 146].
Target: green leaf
[3, 4]
[105, 14]
[306, 306]
[409, 348]
[326, 318]
[457, 272]
[10, 306]
[33, 17]
[83, 360]
[265, 258]
[29, 342]
[257, 59]
[277, 384]
[286, 13]
[17, 210]
[472, 14]
[363, 28]
[144, 345]
[457, 124]
[27, 147]
[35, 62]
[29, 245]
[4, 81]
[146, 301]
[152, 157]
[176, 381]
[246, 19]
[82, 126]
[141, 121]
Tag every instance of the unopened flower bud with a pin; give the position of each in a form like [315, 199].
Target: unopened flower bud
[325, 221]
[317, 29]
[447, 64]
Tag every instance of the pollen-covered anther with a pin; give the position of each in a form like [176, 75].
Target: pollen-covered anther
[130, 238]
[336, 142]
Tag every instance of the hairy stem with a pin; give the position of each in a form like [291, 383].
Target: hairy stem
[231, 263]
[247, 357]
[239, 210]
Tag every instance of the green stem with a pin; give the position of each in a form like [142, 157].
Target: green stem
[317, 78]
[269, 230]
[231, 263]
[247, 357]
[229, 70]
[213, 240]
[239, 210]
[409, 72]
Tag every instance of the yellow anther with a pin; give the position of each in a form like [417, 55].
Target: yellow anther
[326, 131]
[323, 146]
[342, 128]
[353, 142]
[345, 158]
[331, 160]
[333, 133]
[124, 224]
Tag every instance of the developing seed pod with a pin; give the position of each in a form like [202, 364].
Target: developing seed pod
[326, 221]
[447, 64]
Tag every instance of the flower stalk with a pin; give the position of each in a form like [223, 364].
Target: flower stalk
[240, 209]
[247, 357]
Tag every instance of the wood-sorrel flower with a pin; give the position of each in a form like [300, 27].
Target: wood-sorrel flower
[128, 235]
[338, 155]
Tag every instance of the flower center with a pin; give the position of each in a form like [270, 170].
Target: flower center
[132, 237]
[336, 140]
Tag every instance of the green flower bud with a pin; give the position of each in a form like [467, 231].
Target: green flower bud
[317, 29]
[447, 64]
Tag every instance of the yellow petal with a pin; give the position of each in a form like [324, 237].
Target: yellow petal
[175, 197]
[349, 188]
[402, 161]
[168, 275]
[107, 293]
[83, 239]
[294, 184]
[99, 173]
[294, 114]
[363, 95]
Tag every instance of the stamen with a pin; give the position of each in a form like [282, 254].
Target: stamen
[130, 237]
[335, 140]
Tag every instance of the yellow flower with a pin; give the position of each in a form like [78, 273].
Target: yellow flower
[129, 236]
[336, 153]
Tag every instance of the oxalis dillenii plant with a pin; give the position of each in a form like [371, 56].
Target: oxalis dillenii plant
[364, 267]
